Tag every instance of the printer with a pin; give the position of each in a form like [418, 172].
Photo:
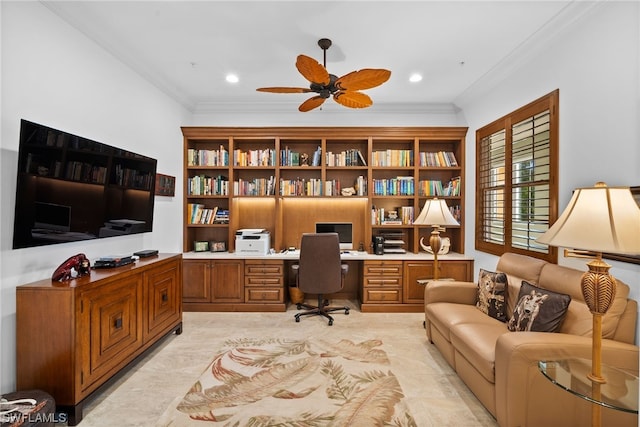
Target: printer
[256, 241]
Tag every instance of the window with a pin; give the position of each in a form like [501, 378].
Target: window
[516, 180]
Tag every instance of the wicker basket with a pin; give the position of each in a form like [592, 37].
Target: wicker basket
[296, 295]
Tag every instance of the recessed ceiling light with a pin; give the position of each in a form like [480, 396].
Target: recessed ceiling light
[232, 78]
[415, 77]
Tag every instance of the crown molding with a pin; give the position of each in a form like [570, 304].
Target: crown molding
[528, 50]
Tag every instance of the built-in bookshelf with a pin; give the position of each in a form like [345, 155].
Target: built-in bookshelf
[238, 170]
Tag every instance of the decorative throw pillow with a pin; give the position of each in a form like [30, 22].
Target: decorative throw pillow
[538, 310]
[492, 289]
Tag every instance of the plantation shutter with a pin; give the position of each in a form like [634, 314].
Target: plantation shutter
[530, 159]
[516, 185]
[492, 187]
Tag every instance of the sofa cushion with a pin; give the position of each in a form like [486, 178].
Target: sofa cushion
[444, 316]
[476, 342]
[538, 309]
[492, 290]
[518, 268]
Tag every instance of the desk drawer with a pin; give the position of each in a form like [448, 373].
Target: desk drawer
[383, 268]
[270, 267]
[264, 295]
[382, 281]
[382, 296]
[263, 280]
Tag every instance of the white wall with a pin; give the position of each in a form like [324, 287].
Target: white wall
[53, 75]
[596, 65]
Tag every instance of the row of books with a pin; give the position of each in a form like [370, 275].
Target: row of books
[199, 214]
[437, 188]
[255, 187]
[351, 157]
[203, 185]
[289, 157]
[315, 187]
[438, 159]
[404, 215]
[301, 187]
[208, 157]
[266, 157]
[399, 186]
[393, 158]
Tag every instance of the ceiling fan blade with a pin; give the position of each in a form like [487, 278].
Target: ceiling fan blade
[366, 78]
[353, 99]
[312, 70]
[311, 103]
[284, 89]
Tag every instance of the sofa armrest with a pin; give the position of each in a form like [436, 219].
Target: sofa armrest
[450, 291]
[521, 390]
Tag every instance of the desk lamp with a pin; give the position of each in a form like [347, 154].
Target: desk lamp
[436, 214]
[598, 219]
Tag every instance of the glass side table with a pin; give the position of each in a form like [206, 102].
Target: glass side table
[619, 392]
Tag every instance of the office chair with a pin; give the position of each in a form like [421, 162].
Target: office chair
[320, 272]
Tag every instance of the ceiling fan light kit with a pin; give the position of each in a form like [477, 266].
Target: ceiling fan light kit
[345, 89]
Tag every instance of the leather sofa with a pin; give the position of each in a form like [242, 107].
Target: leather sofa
[501, 367]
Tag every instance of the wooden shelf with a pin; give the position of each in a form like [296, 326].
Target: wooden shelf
[288, 216]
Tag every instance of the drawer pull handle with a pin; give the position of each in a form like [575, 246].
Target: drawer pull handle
[118, 323]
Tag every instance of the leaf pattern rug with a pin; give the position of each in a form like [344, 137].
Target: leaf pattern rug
[307, 382]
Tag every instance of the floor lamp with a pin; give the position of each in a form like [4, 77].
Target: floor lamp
[598, 219]
[435, 213]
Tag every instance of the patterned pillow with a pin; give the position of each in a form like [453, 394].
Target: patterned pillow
[492, 289]
[538, 310]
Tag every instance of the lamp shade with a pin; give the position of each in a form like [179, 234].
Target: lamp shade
[436, 212]
[598, 219]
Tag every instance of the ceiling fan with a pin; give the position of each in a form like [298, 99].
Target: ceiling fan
[344, 89]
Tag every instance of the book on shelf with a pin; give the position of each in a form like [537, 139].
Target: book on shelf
[317, 155]
[361, 157]
[199, 214]
[221, 216]
[206, 157]
[438, 159]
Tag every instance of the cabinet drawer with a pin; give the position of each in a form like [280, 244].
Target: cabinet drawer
[264, 295]
[383, 268]
[384, 281]
[382, 295]
[263, 281]
[259, 269]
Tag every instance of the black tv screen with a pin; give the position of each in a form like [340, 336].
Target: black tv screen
[71, 188]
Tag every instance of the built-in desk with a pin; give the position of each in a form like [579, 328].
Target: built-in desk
[226, 281]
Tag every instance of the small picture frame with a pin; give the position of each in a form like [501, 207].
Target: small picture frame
[200, 246]
[165, 185]
[218, 246]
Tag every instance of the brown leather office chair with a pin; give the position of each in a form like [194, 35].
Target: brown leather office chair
[320, 271]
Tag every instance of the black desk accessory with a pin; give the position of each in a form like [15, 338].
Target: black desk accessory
[146, 253]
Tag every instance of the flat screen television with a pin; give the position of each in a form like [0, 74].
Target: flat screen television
[71, 188]
[344, 230]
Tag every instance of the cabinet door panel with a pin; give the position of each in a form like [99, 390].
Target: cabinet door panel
[417, 270]
[114, 327]
[196, 280]
[227, 284]
[163, 298]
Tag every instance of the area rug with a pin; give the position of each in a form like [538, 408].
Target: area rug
[304, 382]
